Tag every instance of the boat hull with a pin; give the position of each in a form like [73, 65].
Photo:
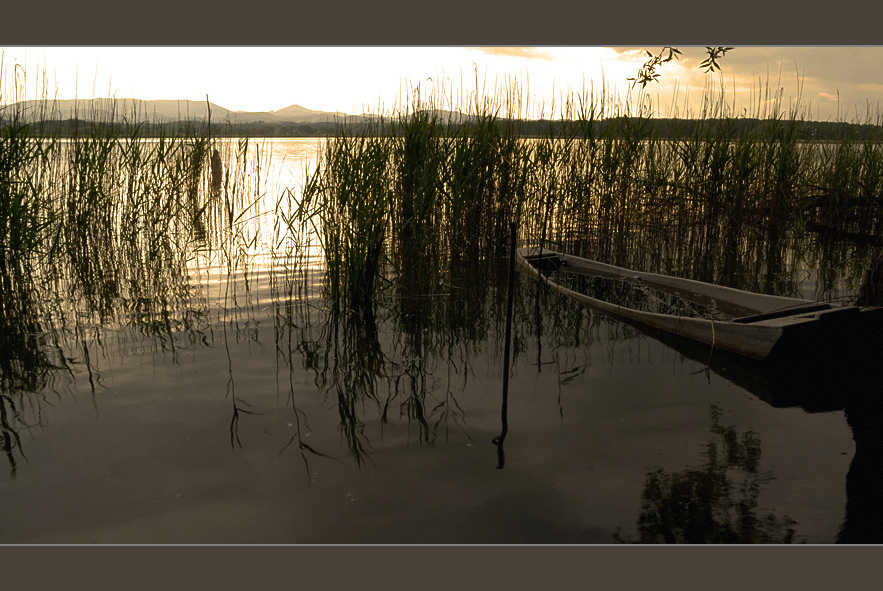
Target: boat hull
[773, 324]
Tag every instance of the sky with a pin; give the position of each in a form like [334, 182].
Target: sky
[826, 83]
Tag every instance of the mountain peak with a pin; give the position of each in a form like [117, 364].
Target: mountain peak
[166, 110]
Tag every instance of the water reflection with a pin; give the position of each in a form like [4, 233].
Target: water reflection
[716, 502]
[864, 484]
[825, 383]
[404, 357]
[411, 354]
[26, 363]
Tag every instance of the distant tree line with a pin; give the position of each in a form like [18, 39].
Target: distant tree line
[660, 128]
[79, 127]
[665, 128]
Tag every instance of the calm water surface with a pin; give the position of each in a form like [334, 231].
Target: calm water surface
[254, 417]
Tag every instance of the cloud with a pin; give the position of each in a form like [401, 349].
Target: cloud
[633, 51]
[518, 52]
[871, 88]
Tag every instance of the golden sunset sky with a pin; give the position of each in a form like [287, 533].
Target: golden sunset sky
[828, 82]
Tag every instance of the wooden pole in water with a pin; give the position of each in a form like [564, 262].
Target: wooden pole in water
[506, 350]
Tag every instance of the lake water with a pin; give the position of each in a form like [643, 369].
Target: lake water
[252, 415]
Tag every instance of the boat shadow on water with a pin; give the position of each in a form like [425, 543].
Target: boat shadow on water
[787, 352]
[817, 380]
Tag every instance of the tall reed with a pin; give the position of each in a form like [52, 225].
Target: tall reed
[352, 202]
[98, 231]
[718, 197]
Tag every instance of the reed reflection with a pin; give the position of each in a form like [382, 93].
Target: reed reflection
[853, 388]
[99, 234]
[412, 219]
[824, 383]
[30, 361]
[679, 507]
[400, 358]
[716, 502]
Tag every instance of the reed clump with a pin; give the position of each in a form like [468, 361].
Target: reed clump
[412, 210]
[352, 204]
[717, 197]
[98, 231]
[108, 210]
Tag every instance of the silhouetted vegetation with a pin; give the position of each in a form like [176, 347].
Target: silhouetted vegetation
[387, 271]
[716, 502]
[729, 198]
[657, 127]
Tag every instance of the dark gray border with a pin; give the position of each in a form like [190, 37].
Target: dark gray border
[452, 22]
[444, 567]
[457, 22]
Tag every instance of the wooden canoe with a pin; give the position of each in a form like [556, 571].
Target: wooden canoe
[758, 324]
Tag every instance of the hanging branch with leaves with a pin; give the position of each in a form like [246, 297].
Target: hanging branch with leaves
[649, 72]
[714, 54]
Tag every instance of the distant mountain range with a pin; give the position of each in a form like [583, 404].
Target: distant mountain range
[137, 110]
[69, 117]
